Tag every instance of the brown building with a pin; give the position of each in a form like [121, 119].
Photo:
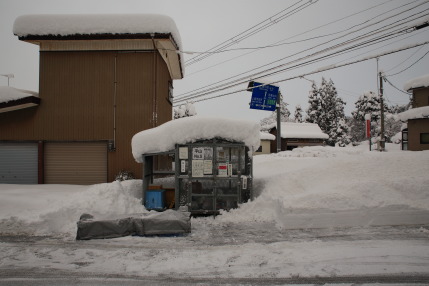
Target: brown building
[103, 78]
[298, 135]
[416, 136]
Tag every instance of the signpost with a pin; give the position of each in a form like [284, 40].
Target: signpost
[266, 97]
[368, 128]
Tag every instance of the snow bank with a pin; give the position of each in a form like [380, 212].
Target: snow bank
[422, 81]
[414, 113]
[9, 93]
[47, 209]
[319, 179]
[190, 129]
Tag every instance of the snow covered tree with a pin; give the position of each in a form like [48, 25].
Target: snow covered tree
[314, 105]
[298, 114]
[326, 109]
[341, 133]
[185, 110]
[270, 121]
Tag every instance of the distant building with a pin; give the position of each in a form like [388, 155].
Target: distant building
[416, 136]
[298, 135]
[265, 147]
[102, 79]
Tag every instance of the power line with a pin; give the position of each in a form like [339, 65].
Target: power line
[397, 23]
[409, 65]
[314, 29]
[253, 30]
[321, 70]
[234, 83]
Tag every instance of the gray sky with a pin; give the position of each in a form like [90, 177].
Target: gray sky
[205, 24]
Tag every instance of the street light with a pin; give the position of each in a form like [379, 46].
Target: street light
[9, 76]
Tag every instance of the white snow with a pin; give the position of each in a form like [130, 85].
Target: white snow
[8, 93]
[89, 24]
[302, 130]
[190, 129]
[267, 136]
[414, 113]
[422, 81]
[311, 191]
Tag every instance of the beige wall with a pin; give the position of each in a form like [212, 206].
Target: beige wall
[266, 144]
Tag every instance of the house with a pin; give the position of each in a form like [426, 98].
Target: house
[298, 135]
[265, 147]
[102, 78]
[416, 136]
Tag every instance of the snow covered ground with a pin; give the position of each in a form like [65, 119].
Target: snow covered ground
[319, 212]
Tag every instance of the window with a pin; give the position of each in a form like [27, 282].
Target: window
[259, 149]
[424, 138]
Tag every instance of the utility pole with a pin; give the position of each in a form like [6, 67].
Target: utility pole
[382, 142]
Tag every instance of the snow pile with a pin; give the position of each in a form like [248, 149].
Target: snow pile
[414, 113]
[319, 179]
[422, 81]
[190, 129]
[9, 93]
[57, 208]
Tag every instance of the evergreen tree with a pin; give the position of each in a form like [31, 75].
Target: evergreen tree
[298, 114]
[314, 105]
[326, 109]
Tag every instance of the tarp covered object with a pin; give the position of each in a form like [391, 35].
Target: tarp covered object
[161, 223]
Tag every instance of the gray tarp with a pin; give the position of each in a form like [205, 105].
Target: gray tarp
[160, 223]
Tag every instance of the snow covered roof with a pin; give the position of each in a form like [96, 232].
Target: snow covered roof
[414, 113]
[190, 129]
[302, 130]
[13, 99]
[267, 136]
[38, 28]
[422, 81]
[8, 93]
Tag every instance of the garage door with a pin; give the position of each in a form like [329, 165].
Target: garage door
[18, 163]
[80, 163]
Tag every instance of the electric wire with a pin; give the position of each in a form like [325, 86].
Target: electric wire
[250, 32]
[397, 23]
[319, 70]
[276, 72]
[388, 81]
[300, 34]
[330, 48]
[409, 65]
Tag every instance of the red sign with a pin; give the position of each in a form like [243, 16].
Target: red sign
[368, 128]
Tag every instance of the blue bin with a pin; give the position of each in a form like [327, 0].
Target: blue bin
[155, 199]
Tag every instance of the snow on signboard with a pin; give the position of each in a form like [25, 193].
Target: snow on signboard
[190, 129]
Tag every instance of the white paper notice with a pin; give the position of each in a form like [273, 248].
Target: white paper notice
[183, 153]
[197, 168]
[208, 167]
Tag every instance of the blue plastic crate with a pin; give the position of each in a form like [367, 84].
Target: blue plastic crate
[155, 199]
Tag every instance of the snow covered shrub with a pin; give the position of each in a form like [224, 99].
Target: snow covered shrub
[124, 175]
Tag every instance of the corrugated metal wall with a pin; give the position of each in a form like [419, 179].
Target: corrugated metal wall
[77, 91]
[18, 163]
[81, 163]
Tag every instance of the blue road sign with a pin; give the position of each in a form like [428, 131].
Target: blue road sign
[264, 97]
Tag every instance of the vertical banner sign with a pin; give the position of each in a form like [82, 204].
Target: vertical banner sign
[368, 125]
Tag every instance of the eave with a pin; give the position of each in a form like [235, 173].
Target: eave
[26, 102]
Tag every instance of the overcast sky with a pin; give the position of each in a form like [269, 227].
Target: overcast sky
[205, 24]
